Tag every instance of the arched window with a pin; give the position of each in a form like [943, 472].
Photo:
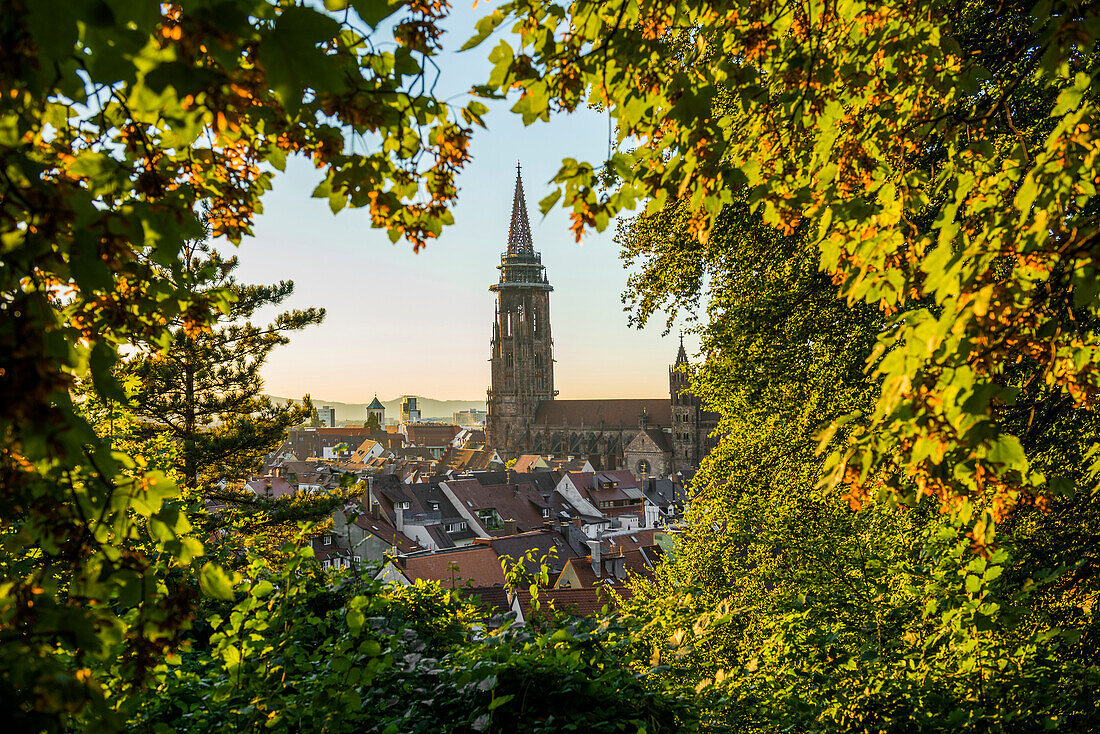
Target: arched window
[643, 468]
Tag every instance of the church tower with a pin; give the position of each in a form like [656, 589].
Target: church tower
[685, 414]
[522, 351]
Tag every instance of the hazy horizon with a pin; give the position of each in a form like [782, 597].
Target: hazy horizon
[400, 323]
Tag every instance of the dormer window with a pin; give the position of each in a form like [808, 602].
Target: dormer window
[546, 512]
[435, 507]
[328, 540]
[401, 505]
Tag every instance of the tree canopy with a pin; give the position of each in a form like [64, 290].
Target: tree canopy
[880, 218]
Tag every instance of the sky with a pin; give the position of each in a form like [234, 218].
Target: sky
[404, 323]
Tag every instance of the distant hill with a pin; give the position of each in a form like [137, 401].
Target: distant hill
[429, 408]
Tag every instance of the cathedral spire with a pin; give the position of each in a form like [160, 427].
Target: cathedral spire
[519, 233]
[681, 356]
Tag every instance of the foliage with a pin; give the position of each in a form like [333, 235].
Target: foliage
[205, 390]
[119, 122]
[293, 651]
[789, 607]
[940, 156]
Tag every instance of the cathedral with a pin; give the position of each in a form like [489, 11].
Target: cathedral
[649, 436]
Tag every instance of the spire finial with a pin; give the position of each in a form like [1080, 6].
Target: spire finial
[681, 355]
[519, 233]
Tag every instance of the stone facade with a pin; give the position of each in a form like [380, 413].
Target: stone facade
[524, 414]
[692, 426]
[649, 454]
[522, 348]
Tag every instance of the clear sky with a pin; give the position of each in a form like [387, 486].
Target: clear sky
[403, 323]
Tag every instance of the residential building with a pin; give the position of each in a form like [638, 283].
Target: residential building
[454, 568]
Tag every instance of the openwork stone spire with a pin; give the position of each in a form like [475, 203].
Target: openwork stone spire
[681, 356]
[519, 234]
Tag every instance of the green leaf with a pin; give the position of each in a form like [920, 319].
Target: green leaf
[102, 364]
[973, 584]
[374, 12]
[500, 701]
[262, 588]
[215, 582]
[485, 28]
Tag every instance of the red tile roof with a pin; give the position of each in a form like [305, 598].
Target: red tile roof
[629, 541]
[582, 602]
[430, 434]
[464, 460]
[478, 564]
[625, 413]
[520, 502]
[586, 480]
[271, 487]
[523, 463]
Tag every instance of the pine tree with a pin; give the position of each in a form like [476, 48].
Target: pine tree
[206, 390]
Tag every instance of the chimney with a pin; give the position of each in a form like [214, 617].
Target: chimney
[594, 546]
[399, 521]
[651, 516]
[509, 527]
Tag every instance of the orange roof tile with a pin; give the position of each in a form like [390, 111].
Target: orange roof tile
[478, 564]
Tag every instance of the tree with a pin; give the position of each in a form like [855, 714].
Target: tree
[372, 423]
[855, 187]
[831, 626]
[205, 390]
[119, 123]
[942, 155]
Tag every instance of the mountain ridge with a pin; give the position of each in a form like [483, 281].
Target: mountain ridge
[357, 412]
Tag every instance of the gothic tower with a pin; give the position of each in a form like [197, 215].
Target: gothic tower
[685, 415]
[522, 351]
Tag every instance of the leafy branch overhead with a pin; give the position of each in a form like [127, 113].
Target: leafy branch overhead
[941, 156]
[120, 124]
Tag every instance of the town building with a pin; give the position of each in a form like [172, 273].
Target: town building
[326, 416]
[471, 417]
[409, 412]
[377, 411]
[525, 415]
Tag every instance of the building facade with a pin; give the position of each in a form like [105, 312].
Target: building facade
[524, 414]
[326, 416]
[521, 348]
[376, 411]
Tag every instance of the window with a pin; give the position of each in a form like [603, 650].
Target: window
[401, 505]
[490, 519]
[546, 512]
[328, 540]
[326, 564]
[357, 559]
[435, 507]
[456, 527]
